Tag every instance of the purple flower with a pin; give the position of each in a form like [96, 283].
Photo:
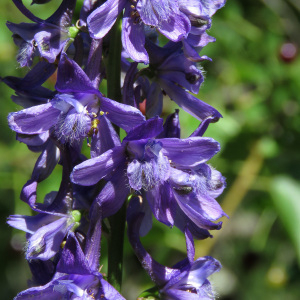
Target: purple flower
[44, 38]
[199, 12]
[173, 74]
[72, 114]
[166, 169]
[75, 277]
[45, 231]
[187, 279]
[163, 15]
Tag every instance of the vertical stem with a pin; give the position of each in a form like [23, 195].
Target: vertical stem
[115, 248]
[113, 64]
[117, 221]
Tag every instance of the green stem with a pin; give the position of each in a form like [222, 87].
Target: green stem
[117, 221]
[113, 64]
[115, 248]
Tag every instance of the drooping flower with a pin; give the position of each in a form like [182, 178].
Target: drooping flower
[172, 74]
[186, 280]
[45, 231]
[76, 276]
[44, 38]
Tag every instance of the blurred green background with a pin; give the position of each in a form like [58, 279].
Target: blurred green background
[254, 81]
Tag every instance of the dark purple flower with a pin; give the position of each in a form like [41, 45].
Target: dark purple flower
[29, 90]
[166, 169]
[44, 38]
[163, 15]
[45, 232]
[187, 279]
[173, 74]
[199, 12]
[75, 277]
[73, 113]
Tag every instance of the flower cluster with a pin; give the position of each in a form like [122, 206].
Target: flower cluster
[151, 173]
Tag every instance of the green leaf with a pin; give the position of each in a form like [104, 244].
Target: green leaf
[285, 193]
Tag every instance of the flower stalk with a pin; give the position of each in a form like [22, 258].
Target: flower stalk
[117, 221]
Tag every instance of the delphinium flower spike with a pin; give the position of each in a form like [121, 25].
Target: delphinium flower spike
[152, 171]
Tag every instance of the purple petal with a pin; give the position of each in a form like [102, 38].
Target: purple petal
[158, 273]
[105, 139]
[122, 115]
[188, 102]
[37, 140]
[189, 152]
[190, 247]
[154, 100]
[201, 8]
[72, 259]
[146, 10]
[46, 162]
[91, 171]
[144, 207]
[50, 41]
[94, 63]
[93, 239]
[183, 222]
[203, 126]
[30, 224]
[192, 207]
[34, 120]
[162, 204]
[114, 193]
[133, 38]
[128, 96]
[176, 27]
[72, 79]
[109, 291]
[146, 130]
[45, 292]
[28, 193]
[42, 271]
[103, 18]
[46, 241]
[201, 269]
[178, 69]
[171, 126]
[176, 294]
